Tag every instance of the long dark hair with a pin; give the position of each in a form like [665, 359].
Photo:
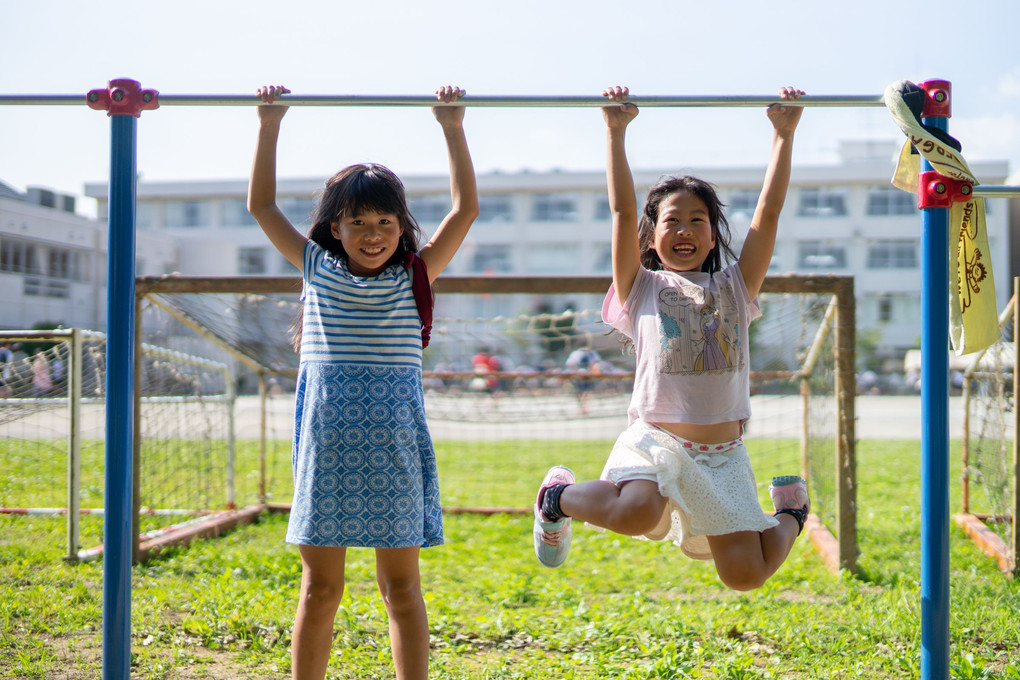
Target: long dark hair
[672, 184]
[354, 190]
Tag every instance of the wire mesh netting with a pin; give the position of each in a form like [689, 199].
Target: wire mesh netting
[184, 426]
[518, 383]
[990, 476]
[529, 389]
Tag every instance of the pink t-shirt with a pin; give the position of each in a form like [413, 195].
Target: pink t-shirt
[690, 335]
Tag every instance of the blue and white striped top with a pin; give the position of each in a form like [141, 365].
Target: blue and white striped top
[357, 320]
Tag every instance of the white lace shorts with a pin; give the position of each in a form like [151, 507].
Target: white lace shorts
[710, 487]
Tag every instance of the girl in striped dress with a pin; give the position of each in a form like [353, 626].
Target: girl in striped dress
[363, 462]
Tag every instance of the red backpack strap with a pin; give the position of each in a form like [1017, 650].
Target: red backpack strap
[423, 297]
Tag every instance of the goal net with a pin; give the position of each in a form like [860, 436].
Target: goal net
[53, 424]
[522, 374]
[989, 484]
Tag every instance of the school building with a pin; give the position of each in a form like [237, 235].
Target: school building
[841, 218]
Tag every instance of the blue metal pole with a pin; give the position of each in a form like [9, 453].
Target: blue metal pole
[934, 436]
[120, 349]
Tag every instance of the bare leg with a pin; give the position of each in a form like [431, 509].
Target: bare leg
[632, 508]
[322, 586]
[745, 560]
[400, 585]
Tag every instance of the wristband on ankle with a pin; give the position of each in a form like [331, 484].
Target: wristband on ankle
[799, 514]
[551, 503]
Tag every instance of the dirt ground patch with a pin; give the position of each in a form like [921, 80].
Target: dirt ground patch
[80, 657]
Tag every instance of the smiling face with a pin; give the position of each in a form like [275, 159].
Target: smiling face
[370, 240]
[683, 235]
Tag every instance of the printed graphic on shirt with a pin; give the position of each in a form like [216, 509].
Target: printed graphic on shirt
[698, 334]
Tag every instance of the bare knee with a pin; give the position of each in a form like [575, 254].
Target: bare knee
[741, 576]
[739, 560]
[321, 596]
[400, 594]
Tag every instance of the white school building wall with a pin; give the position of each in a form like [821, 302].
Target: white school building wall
[842, 218]
[53, 261]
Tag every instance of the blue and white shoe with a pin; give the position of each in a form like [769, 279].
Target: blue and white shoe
[552, 539]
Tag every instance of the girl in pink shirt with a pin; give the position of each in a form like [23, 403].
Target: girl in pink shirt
[680, 471]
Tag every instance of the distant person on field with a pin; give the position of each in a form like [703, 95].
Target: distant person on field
[485, 365]
[364, 465]
[42, 380]
[6, 360]
[680, 471]
[583, 360]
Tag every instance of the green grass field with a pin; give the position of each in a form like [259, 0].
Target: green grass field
[619, 607]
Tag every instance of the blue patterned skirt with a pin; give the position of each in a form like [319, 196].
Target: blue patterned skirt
[364, 466]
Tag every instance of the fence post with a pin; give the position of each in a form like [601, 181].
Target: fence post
[846, 431]
[74, 447]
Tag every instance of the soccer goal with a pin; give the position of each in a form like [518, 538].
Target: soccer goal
[521, 371]
[990, 487]
[52, 424]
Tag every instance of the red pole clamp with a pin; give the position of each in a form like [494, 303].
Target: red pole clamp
[938, 103]
[123, 97]
[937, 191]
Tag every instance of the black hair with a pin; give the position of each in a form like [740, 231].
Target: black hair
[673, 184]
[361, 188]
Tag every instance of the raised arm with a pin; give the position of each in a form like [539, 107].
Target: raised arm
[622, 201]
[262, 183]
[756, 254]
[443, 245]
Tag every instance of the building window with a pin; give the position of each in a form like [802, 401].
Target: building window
[891, 201]
[892, 255]
[742, 201]
[46, 287]
[602, 211]
[559, 258]
[145, 215]
[554, 208]
[885, 308]
[235, 213]
[821, 255]
[491, 259]
[604, 260]
[187, 214]
[18, 257]
[822, 202]
[495, 208]
[297, 209]
[80, 269]
[251, 261]
[59, 263]
[429, 209]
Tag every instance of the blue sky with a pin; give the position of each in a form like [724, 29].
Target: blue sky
[526, 47]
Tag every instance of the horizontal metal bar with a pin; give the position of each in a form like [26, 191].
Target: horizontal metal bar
[983, 191]
[471, 100]
[156, 285]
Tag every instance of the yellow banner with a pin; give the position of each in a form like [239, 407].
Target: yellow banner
[973, 317]
[973, 313]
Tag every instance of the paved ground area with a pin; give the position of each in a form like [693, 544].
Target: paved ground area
[508, 417]
[888, 417]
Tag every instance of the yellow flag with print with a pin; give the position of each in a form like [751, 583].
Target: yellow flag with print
[973, 317]
[973, 313]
